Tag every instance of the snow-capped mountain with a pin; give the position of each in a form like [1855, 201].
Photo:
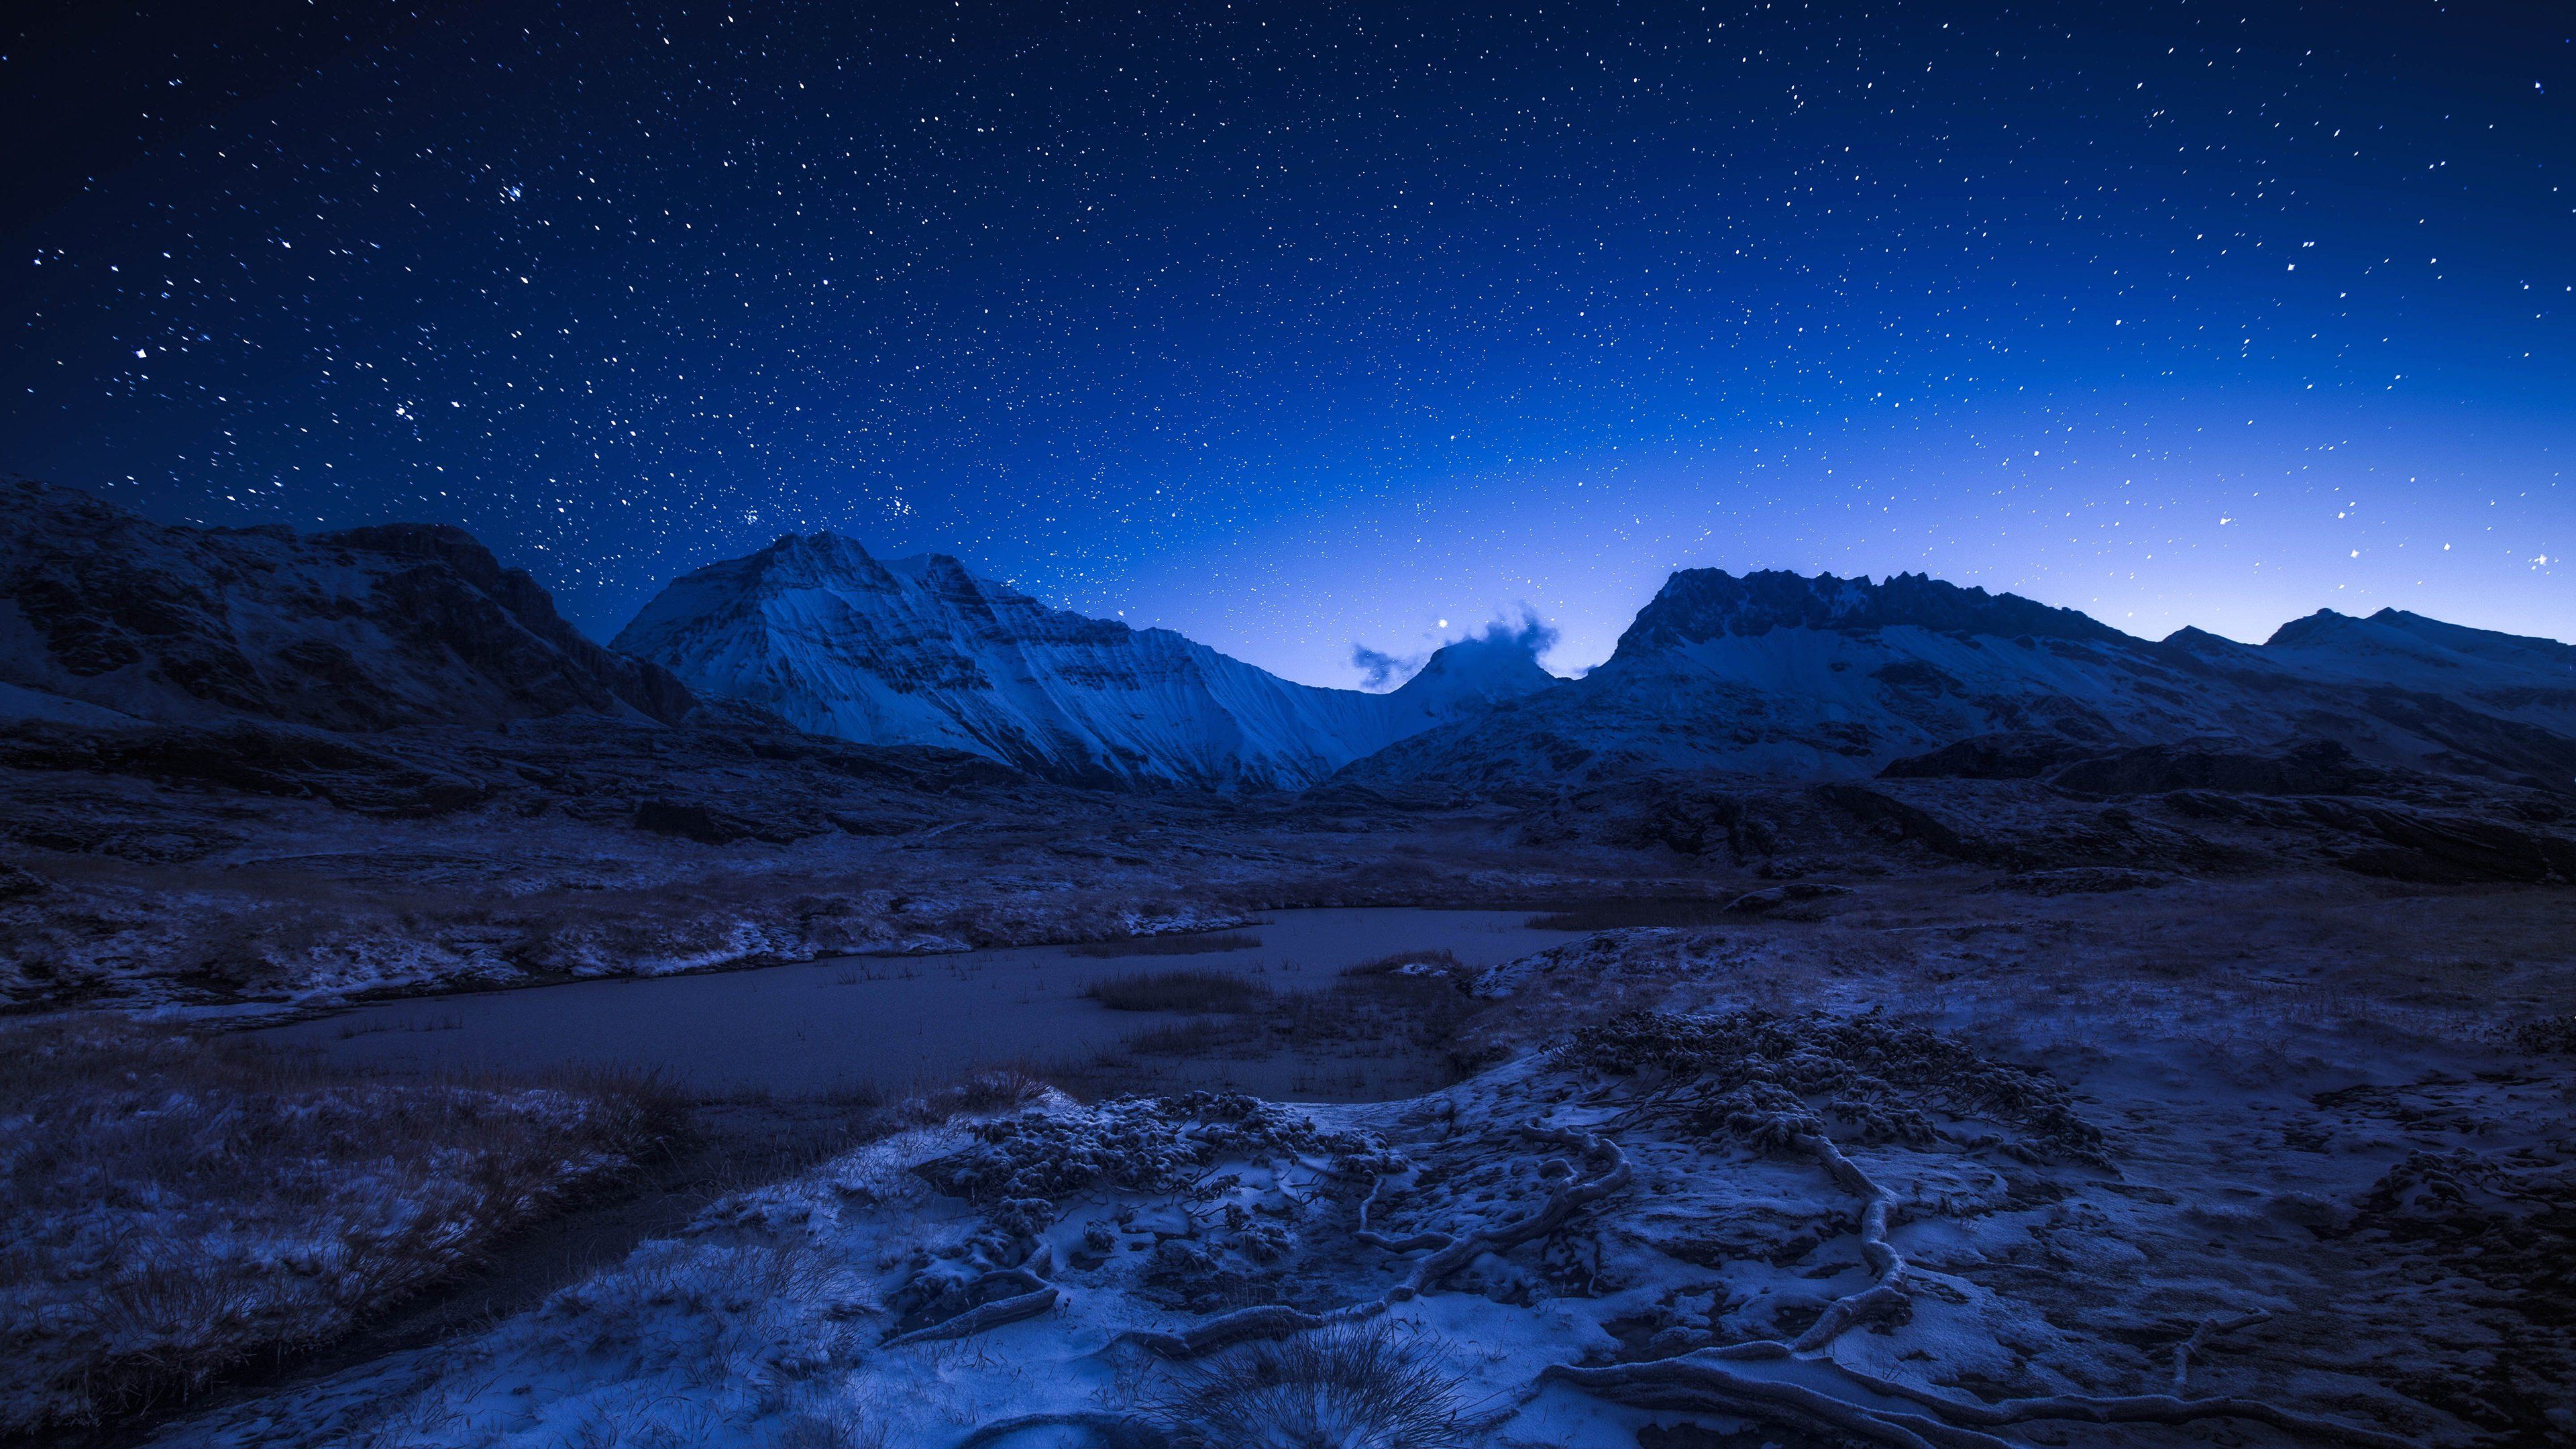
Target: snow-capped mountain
[105, 615]
[1781, 676]
[920, 651]
[2510, 676]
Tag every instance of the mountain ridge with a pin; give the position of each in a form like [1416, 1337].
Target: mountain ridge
[818, 631]
[1695, 605]
[107, 616]
[357, 629]
[1781, 676]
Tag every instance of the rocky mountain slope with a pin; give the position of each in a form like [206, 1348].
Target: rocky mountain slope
[105, 614]
[919, 651]
[1782, 677]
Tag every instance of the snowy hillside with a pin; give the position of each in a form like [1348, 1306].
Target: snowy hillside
[1786, 677]
[919, 651]
[363, 629]
[2510, 675]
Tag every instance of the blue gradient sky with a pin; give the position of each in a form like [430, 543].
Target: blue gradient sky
[1295, 327]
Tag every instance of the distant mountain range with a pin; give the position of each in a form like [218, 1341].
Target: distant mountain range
[1782, 677]
[105, 616]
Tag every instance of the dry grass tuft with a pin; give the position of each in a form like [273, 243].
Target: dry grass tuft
[177, 1208]
[1188, 990]
[1344, 1389]
[1199, 944]
[1001, 1089]
[1630, 915]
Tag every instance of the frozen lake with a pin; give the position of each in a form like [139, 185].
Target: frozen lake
[872, 1021]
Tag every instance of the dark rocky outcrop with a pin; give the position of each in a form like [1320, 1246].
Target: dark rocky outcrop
[2012, 755]
[2311, 767]
[254, 757]
[1697, 604]
[364, 629]
[1905, 822]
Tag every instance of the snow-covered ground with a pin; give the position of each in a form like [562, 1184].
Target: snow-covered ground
[2136, 1166]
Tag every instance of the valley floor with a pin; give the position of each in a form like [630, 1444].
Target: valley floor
[2261, 1161]
[126, 892]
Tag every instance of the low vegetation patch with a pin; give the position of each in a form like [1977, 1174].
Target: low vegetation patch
[2546, 1036]
[1184, 990]
[177, 1208]
[1197, 1038]
[1381, 1026]
[1632, 915]
[1193, 945]
[1758, 1074]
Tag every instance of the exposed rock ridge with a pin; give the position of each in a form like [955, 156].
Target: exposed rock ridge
[364, 629]
[1700, 604]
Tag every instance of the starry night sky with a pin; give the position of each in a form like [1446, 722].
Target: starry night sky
[1296, 326]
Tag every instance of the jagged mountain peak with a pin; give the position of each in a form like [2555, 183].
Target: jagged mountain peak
[1696, 605]
[805, 561]
[923, 651]
[1782, 675]
[831, 561]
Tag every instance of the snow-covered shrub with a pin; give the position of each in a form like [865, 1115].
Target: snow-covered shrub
[177, 1206]
[1190, 989]
[1146, 1144]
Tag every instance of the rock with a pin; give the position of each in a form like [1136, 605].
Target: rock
[1794, 901]
[2010, 755]
[254, 756]
[2078, 880]
[2310, 767]
[1902, 821]
[690, 822]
